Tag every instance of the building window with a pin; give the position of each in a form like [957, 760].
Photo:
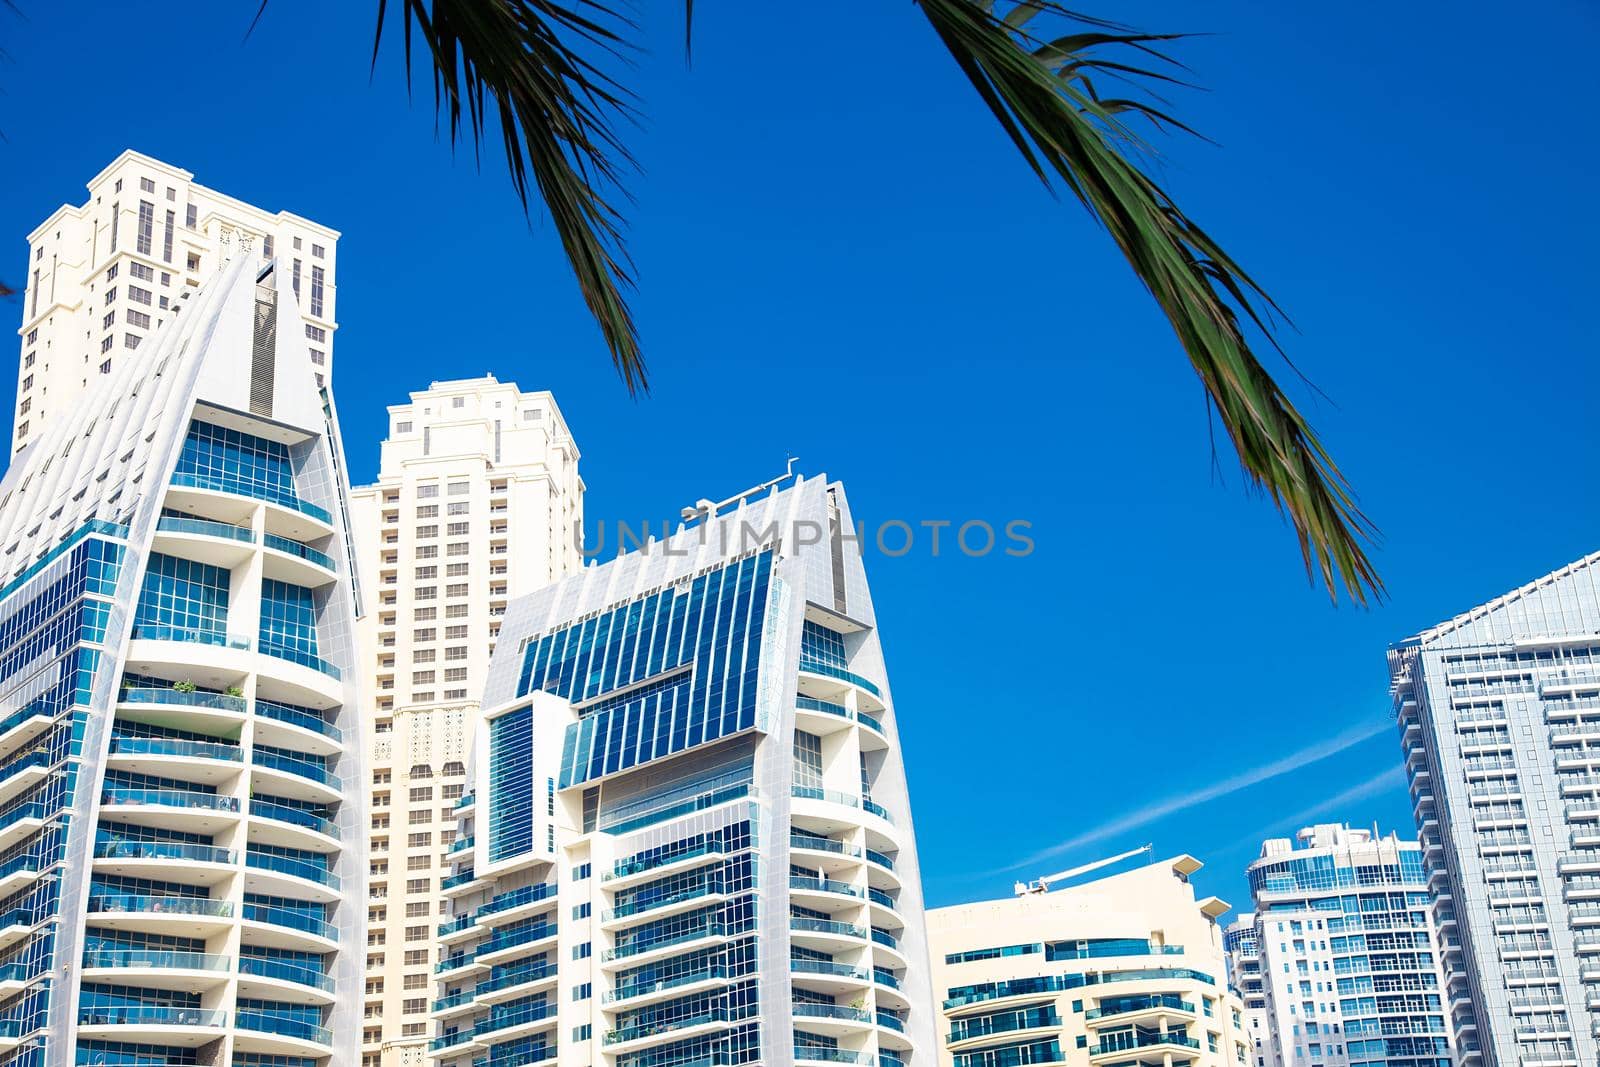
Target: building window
[147, 226]
[316, 291]
[190, 216]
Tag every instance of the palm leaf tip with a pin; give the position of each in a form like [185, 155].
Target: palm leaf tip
[1045, 92]
[531, 68]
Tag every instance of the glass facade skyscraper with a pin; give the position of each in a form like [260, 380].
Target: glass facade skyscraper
[1499, 714]
[1347, 969]
[181, 797]
[688, 839]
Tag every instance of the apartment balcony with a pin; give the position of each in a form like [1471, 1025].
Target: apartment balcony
[641, 994]
[306, 780]
[516, 984]
[157, 969]
[220, 497]
[1582, 861]
[221, 544]
[827, 977]
[1147, 1048]
[1013, 1026]
[203, 762]
[289, 827]
[514, 942]
[635, 953]
[1140, 1009]
[824, 894]
[805, 1054]
[285, 876]
[296, 728]
[626, 1039]
[202, 864]
[297, 563]
[509, 1025]
[273, 926]
[152, 1025]
[275, 1035]
[634, 911]
[632, 871]
[184, 916]
[825, 935]
[833, 1020]
[172, 809]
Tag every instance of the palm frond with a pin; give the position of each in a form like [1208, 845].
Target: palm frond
[1045, 93]
[531, 66]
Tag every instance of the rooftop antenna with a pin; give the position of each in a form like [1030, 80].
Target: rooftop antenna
[1042, 885]
[705, 509]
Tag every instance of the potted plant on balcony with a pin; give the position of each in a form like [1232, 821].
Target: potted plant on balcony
[184, 686]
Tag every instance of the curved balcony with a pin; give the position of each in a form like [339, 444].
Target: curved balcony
[825, 935]
[152, 1024]
[288, 560]
[886, 950]
[824, 894]
[831, 677]
[282, 980]
[220, 544]
[296, 779]
[24, 772]
[284, 876]
[287, 726]
[195, 916]
[202, 864]
[833, 1019]
[262, 1031]
[640, 994]
[289, 827]
[172, 809]
[193, 483]
[205, 762]
[829, 977]
[272, 926]
[199, 710]
[825, 1055]
[156, 968]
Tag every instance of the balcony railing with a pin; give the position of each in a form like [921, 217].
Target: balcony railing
[197, 698]
[305, 552]
[303, 768]
[266, 861]
[635, 948]
[823, 885]
[639, 989]
[837, 970]
[159, 905]
[285, 970]
[297, 717]
[119, 796]
[825, 926]
[290, 919]
[205, 527]
[151, 1015]
[155, 959]
[171, 746]
[266, 1022]
[161, 850]
[842, 1012]
[298, 816]
[234, 487]
[190, 634]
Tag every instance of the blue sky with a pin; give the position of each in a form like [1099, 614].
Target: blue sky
[841, 259]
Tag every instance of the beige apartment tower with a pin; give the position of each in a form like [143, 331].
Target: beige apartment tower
[103, 276]
[478, 501]
[1124, 970]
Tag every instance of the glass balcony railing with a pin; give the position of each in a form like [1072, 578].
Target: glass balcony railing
[286, 971]
[890, 1021]
[266, 1022]
[1125, 1044]
[119, 796]
[37, 758]
[877, 809]
[842, 1012]
[161, 850]
[205, 527]
[450, 1040]
[521, 935]
[650, 944]
[812, 666]
[191, 634]
[885, 938]
[827, 967]
[528, 894]
[450, 881]
[159, 905]
[151, 1015]
[827, 1054]
[886, 978]
[172, 746]
[825, 926]
[302, 768]
[832, 796]
[36, 710]
[1125, 1005]
[823, 844]
[298, 816]
[235, 487]
[155, 959]
[17, 917]
[305, 552]
[454, 961]
[291, 919]
[871, 721]
[648, 904]
[638, 865]
[878, 896]
[640, 989]
[461, 844]
[455, 1000]
[503, 1020]
[297, 717]
[197, 698]
[1006, 1023]
[16, 813]
[266, 861]
[650, 1029]
[881, 859]
[823, 885]
[521, 976]
[302, 657]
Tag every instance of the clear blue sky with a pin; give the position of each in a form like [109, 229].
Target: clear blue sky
[842, 259]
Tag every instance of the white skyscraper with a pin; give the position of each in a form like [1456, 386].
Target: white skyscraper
[1244, 976]
[477, 501]
[104, 275]
[1499, 712]
[1348, 969]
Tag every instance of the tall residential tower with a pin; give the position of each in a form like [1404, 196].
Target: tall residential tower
[1348, 957]
[1123, 971]
[478, 501]
[1499, 713]
[102, 277]
[688, 838]
[182, 801]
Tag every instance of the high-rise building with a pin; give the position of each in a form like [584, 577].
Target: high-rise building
[688, 838]
[182, 801]
[1123, 970]
[1347, 954]
[1499, 713]
[1244, 977]
[102, 277]
[478, 501]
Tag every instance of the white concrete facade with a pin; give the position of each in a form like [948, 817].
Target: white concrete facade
[477, 501]
[104, 275]
[1126, 969]
[1349, 962]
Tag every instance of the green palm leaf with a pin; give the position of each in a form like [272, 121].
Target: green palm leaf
[1045, 93]
[524, 64]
